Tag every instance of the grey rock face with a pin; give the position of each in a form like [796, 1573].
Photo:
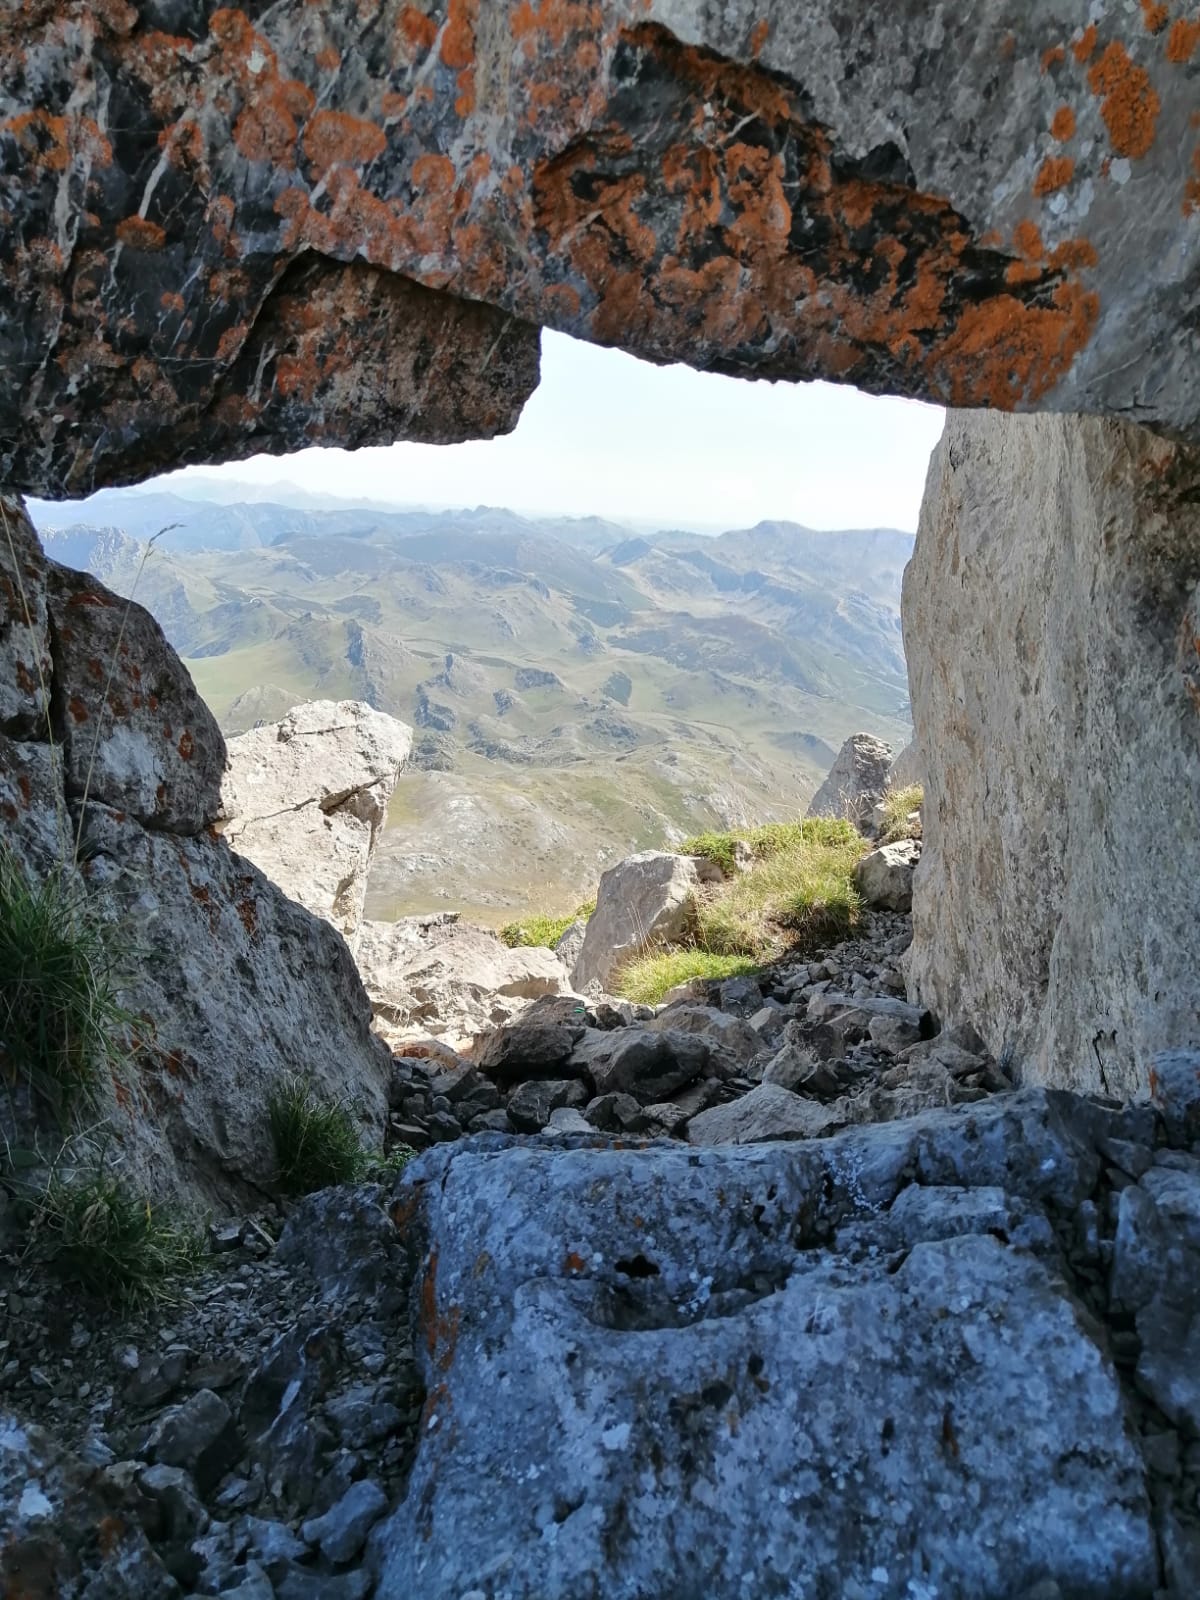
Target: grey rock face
[767, 1113]
[235, 982]
[647, 1064]
[1053, 905]
[342, 1531]
[856, 781]
[677, 1336]
[884, 877]
[306, 799]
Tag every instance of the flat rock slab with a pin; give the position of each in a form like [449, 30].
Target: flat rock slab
[657, 1373]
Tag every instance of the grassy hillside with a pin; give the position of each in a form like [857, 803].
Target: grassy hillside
[576, 691]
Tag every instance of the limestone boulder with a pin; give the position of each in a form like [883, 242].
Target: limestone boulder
[1051, 612]
[673, 1402]
[884, 877]
[856, 781]
[306, 798]
[906, 768]
[768, 1113]
[438, 976]
[645, 899]
[647, 1064]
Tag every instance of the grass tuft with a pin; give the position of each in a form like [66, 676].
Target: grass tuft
[897, 803]
[60, 1022]
[769, 840]
[715, 847]
[316, 1140]
[93, 1233]
[540, 929]
[648, 977]
[798, 897]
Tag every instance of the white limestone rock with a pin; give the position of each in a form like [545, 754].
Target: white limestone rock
[1051, 613]
[643, 900]
[856, 781]
[884, 878]
[306, 798]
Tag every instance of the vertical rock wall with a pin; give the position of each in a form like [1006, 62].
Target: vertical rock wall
[1052, 624]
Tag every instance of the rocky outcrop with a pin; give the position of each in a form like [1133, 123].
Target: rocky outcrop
[884, 877]
[645, 899]
[856, 781]
[576, 1311]
[437, 977]
[306, 798]
[110, 767]
[906, 769]
[770, 189]
[1051, 618]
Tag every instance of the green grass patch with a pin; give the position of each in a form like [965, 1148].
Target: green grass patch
[316, 1140]
[799, 896]
[95, 1234]
[541, 929]
[648, 977]
[897, 804]
[771, 839]
[61, 1026]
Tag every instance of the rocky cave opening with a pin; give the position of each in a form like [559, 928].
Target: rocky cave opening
[958, 1345]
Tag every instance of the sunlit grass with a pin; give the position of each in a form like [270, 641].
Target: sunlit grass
[648, 977]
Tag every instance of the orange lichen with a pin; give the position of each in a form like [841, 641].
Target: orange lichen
[186, 745]
[1085, 44]
[1053, 57]
[334, 138]
[419, 30]
[171, 300]
[1062, 124]
[758, 37]
[1191, 189]
[1182, 41]
[268, 127]
[458, 50]
[573, 1262]
[139, 233]
[1130, 106]
[1028, 240]
[328, 59]
[1155, 15]
[1055, 173]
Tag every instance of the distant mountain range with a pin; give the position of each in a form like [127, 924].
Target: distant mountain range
[578, 689]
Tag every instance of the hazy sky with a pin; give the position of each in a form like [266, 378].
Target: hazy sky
[610, 435]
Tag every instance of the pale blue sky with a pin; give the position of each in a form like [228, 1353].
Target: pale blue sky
[665, 446]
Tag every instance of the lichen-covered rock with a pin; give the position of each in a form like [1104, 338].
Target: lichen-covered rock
[306, 799]
[25, 665]
[134, 733]
[884, 876]
[66, 1533]
[643, 900]
[983, 207]
[1050, 620]
[681, 1371]
[856, 781]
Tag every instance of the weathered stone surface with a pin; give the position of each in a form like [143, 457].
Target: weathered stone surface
[856, 781]
[731, 1040]
[642, 900]
[231, 984]
[639, 1061]
[694, 1434]
[306, 799]
[767, 1113]
[134, 733]
[65, 1534]
[25, 665]
[906, 769]
[448, 978]
[1049, 618]
[884, 876]
[780, 190]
